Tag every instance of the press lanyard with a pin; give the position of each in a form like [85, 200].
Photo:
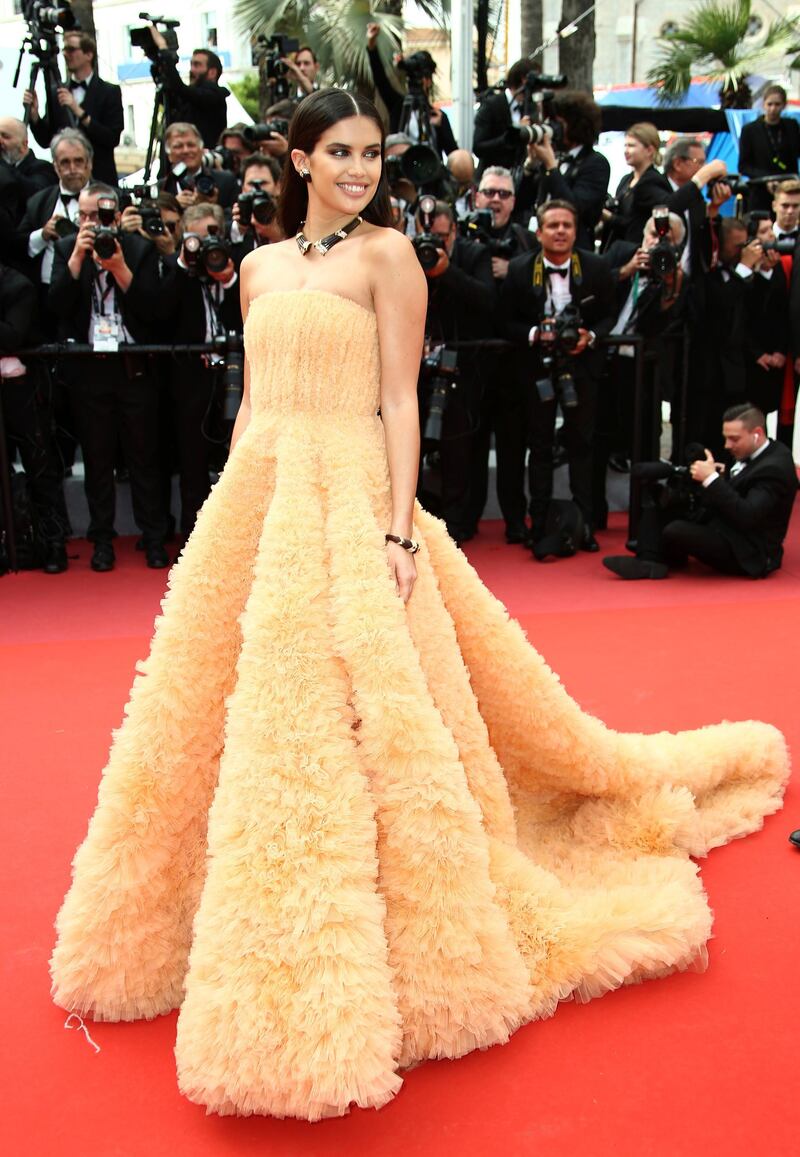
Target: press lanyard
[210, 292]
[101, 299]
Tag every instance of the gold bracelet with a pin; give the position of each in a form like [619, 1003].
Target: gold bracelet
[406, 543]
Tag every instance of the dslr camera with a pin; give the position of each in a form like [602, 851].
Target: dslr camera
[477, 226]
[267, 54]
[780, 245]
[256, 206]
[143, 198]
[538, 105]
[205, 255]
[255, 134]
[427, 244]
[43, 18]
[664, 256]
[557, 382]
[106, 233]
[674, 489]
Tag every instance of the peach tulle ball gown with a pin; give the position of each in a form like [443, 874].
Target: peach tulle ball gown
[345, 835]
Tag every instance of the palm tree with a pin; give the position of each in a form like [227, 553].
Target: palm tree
[532, 20]
[724, 42]
[576, 52]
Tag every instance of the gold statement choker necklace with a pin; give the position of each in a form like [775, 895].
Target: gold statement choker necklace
[325, 243]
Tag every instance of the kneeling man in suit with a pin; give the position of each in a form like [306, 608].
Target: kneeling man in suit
[738, 518]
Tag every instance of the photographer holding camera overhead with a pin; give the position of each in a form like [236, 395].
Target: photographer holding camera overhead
[201, 102]
[104, 290]
[555, 305]
[200, 303]
[85, 101]
[404, 111]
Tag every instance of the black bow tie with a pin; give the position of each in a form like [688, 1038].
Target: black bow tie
[792, 234]
[551, 269]
[73, 84]
[67, 197]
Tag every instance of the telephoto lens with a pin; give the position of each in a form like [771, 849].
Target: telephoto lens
[233, 376]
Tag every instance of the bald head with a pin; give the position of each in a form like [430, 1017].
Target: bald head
[461, 165]
[13, 139]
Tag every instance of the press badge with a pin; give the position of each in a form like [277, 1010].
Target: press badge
[107, 334]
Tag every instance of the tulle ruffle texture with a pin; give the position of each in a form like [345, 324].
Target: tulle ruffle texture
[346, 835]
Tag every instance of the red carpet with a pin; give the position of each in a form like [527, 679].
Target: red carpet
[692, 1064]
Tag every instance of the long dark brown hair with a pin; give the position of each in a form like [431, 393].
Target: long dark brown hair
[315, 114]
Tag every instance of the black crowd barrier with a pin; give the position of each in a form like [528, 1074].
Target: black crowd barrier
[58, 350]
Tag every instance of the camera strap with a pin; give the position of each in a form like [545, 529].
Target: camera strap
[538, 276]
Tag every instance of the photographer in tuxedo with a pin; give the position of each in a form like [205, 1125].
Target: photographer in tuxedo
[500, 111]
[541, 292]
[203, 101]
[767, 319]
[733, 520]
[503, 404]
[461, 301]
[107, 301]
[200, 302]
[85, 102]
[578, 174]
[188, 178]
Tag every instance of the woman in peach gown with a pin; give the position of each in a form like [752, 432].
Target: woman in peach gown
[351, 820]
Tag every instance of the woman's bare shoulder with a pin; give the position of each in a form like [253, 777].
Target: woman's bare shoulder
[384, 240]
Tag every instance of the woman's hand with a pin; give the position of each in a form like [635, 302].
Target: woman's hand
[402, 568]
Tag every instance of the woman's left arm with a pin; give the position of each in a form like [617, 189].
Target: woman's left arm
[400, 295]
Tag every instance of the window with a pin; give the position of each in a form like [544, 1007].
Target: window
[209, 29]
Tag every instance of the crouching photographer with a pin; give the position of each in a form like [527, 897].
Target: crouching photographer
[733, 520]
[200, 303]
[555, 305]
[460, 309]
[104, 291]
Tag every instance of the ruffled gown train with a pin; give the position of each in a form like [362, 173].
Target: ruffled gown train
[346, 835]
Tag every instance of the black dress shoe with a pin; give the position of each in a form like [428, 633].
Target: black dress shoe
[794, 838]
[516, 533]
[157, 558]
[55, 558]
[634, 568]
[588, 541]
[103, 557]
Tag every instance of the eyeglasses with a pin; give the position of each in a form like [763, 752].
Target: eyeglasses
[503, 194]
[71, 48]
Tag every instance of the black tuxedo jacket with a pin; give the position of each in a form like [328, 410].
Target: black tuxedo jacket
[182, 311]
[461, 301]
[752, 509]
[767, 314]
[38, 213]
[757, 153]
[203, 104]
[689, 200]
[584, 183]
[71, 299]
[444, 140]
[21, 182]
[226, 184]
[489, 145]
[103, 103]
[18, 310]
[636, 205]
[522, 307]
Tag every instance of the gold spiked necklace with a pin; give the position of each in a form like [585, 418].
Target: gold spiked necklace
[325, 244]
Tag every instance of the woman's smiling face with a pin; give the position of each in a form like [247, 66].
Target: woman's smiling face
[345, 165]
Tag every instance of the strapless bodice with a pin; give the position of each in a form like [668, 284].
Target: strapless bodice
[310, 350]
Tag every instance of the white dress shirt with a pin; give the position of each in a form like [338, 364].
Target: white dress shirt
[37, 243]
[738, 467]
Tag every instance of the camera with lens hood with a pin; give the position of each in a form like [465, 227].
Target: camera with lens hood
[106, 234]
[478, 225]
[204, 256]
[427, 244]
[664, 257]
[257, 206]
[538, 105]
[557, 382]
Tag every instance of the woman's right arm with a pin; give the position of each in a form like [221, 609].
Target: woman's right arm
[243, 416]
